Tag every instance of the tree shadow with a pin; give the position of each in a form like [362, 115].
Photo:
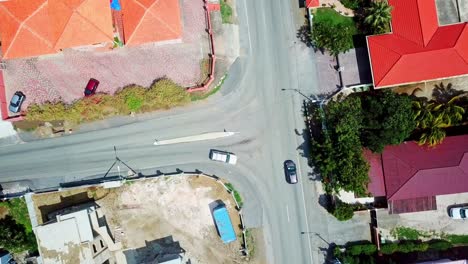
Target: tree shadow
[326, 201]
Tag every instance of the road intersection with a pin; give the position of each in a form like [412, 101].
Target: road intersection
[251, 103]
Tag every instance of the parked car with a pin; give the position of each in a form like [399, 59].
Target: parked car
[460, 212]
[223, 156]
[290, 171]
[16, 102]
[91, 87]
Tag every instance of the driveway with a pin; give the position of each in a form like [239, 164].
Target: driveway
[63, 76]
[437, 220]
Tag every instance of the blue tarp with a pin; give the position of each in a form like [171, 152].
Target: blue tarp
[115, 5]
[223, 224]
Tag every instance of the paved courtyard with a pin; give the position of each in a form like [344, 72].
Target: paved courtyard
[63, 76]
[437, 220]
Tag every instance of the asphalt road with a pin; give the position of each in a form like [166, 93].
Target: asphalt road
[251, 103]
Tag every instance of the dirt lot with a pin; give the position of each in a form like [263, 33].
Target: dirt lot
[164, 215]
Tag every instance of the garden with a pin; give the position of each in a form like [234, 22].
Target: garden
[336, 33]
[410, 246]
[373, 120]
[16, 234]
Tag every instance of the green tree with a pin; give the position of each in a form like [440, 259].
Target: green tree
[338, 154]
[13, 236]
[343, 212]
[388, 119]
[378, 16]
[336, 38]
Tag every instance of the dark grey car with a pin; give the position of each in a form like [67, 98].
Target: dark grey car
[16, 102]
[290, 171]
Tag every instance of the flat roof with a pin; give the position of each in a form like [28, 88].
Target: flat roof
[62, 241]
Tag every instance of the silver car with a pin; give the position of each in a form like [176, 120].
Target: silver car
[16, 102]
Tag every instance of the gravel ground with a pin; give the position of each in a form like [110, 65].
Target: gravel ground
[63, 76]
[174, 208]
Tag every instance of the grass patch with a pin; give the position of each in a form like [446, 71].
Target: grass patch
[204, 70]
[236, 194]
[18, 210]
[331, 17]
[203, 95]
[456, 239]
[408, 233]
[249, 237]
[162, 94]
[226, 12]
[16, 233]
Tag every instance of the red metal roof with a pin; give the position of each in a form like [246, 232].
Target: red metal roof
[376, 185]
[414, 50]
[312, 3]
[413, 171]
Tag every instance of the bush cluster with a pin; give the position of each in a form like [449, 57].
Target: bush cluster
[162, 94]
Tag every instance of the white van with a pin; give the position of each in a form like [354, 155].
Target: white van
[223, 156]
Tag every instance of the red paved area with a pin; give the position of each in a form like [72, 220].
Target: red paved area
[64, 75]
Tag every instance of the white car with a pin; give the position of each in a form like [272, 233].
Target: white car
[223, 156]
[458, 212]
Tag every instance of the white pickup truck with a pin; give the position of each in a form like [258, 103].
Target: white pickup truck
[223, 156]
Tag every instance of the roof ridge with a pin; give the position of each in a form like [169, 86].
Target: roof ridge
[162, 22]
[412, 176]
[65, 26]
[75, 11]
[401, 186]
[22, 24]
[142, 17]
[393, 65]
[458, 38]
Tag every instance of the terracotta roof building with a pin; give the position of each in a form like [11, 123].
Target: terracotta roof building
[312, 3]
[418, 49]
[410, 176]
[37, 27]
[150, 21]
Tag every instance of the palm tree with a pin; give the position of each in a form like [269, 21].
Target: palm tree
[451, 113]
[378, 16]
[444, 94]
[432, 137]
[431, 118]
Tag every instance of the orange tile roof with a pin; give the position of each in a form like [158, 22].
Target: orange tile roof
[151, 21]
[38, 27]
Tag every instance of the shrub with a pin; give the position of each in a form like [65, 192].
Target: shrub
[365, 249]
[162, 94]
[351, 4]
[47, 112]
[409, 246]
[343, 211]
[389, 248]
[226, 12]
[440, 245]
[406, 233]
[457, 239]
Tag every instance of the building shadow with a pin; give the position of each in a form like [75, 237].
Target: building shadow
[156, 251]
